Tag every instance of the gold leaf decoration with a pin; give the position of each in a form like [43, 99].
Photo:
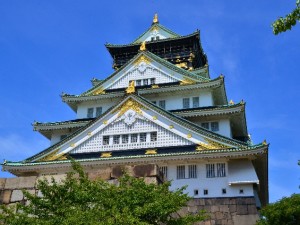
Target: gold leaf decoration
[151, 152]
[129, 104]
[140, 59]
[187, 81]
[105, 154]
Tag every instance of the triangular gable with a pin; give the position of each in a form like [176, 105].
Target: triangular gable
[145, 66]
[156, 30]
[136, 110]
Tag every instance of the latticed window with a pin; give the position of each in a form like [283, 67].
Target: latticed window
[164, 170]
[125, 139]
[98, 111]
[186, 103]
[205, 125]
[153, 136]
[162, 104]
[210, 170]
[105, 140]
[90, 112]
[221, 171]
[214, 126]
[195, 102]
[145, 81]
[116, 139]
[143, 137]
[138, 82]
[180, 172]
[134, 138]
[192, 171]
[152, 81]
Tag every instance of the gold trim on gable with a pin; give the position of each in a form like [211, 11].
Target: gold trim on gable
[186, 81]
[140, 59]
[151, 152]
[105, 154]
[129, 104]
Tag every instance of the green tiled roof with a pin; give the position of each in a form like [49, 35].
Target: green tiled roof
[109, 45]
[202, 152]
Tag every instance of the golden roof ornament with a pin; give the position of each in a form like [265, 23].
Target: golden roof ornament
[131, 88]
[155, 18]
[143, 46]
[231, 102]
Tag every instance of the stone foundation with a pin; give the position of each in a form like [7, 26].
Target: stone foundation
[222, 211]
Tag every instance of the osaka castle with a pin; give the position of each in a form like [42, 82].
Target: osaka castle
[160, 106]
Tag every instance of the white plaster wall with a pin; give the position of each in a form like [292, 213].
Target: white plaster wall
[213, 185]
[175, 101]
[161, 33]
[224, 126]
[105, 104]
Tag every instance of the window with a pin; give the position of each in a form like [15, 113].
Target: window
[192, 171]
[224, 191]
[116, 139]
[180, 172]
[90, 112]
[105, 140]
[125, 139]
[205, 125]
[164, 170]
[152, 38]
[153, 136]
[210, 170]
[145, 81]
[186, 103]
[152, 81]
[134, 138]
[195, 102]
[63, 136]
[214, 126]
[157, 37]
[221, 172]
[162, 104]
[138, 82]
[196, 192]
[143, 137]
[98, 111]
[241, 191]
[205, 192]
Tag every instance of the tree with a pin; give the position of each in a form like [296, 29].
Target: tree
[286, 23]
[285, 211]
[78, 200]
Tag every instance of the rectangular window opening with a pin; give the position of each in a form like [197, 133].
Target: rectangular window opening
[180, 172]
[196, 192]
[214, 126]
[116, 139]
[205, 191]
[195, 102]
[105, 140]
[205, 125]
[221, 171]
[186, 103]
[210, 170]
[134, 138]
[164, 170]
[90, 112]
[224, 191]
[98, 111]
[162, 104]
[153, 136]
[125, 139]
[143, 137]
[192, 171]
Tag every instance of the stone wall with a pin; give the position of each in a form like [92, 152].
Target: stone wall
[222, 211]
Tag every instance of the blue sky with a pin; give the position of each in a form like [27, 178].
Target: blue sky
[49, 47]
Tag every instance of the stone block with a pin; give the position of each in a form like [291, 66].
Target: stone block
[151, 180]
[245, 219]
[232, 208]
[192, 209]
[148, 170]
[242, 209]
[250, 201]
[16, 196]
[20, 182]
[5, 196]
[103, 174]
[114, 182]
[215, 208]
[57, 177]
[219, 215]
[2, 183]
[224, 208]
[252, 209]
[118, 171]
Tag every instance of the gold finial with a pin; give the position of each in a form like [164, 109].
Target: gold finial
[143, 46]
[131, 88]
[264, 142]
[231, 102]
[155, 18]
[242, 102]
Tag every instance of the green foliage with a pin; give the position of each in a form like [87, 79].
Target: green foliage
[286, 23]
[285, 211]
[77, 200]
